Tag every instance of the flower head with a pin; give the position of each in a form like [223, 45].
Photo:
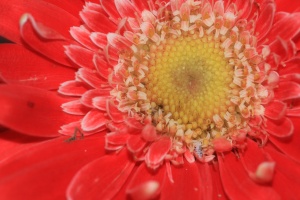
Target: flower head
[178, 90]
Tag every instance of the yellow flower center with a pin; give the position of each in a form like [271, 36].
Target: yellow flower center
[189, 77]
[195, 74]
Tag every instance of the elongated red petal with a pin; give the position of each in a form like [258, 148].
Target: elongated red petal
[286, 28]
[73, 88]
[102, 178]
[265, 21]
[82, 35]
[12, 143]
[93, 120]
[146, 184]
[32, 111]
[41, 168]
[45, 12]
[287, 91]
[185, 185]
[135, 143]
[287, 6]
[110, 9]
[87, 98]
[113, 112]
[157, 152]
[281, 129]
[97, 21]
[275, 110]
[291, 146]
[125, 8]
[39, 72]
[80, 56]
[55, 51]
[286, 182]
[91, 77]
[232, 172]
[75, 108]
[117, 138]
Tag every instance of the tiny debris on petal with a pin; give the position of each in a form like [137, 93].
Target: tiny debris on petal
[264, 172]
[147, 190]
[221, 145]
[149, 133]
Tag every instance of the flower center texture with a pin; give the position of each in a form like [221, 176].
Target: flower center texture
[184, 79]
[195, 73]
[189, 78]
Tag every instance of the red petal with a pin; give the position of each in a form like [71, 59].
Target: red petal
[117, 138]
[218, 192]
[206, 181]
[95, 119]
[71, 7]
[286, 180]
[45, 12]
[264, 22]
[52, 49]
[275, 110]
[82, 35]
[71, 128]
[99, 39]
[135, 144]
[141, 5]
[91, 77]
[88, 97]
[290, 147]
[293, 112]
[157, 152]
[80, 56]
[186, 185]
[44, 170]
[103, 68]
[118, 41]
[110, 9]
[113, 112]
[39, 72]
[146, 184]
[125, 8]
[254, 158]
[286, 28]
[245, 8]
[12, 143]
[73, 88]
[75, 108]
[32, 111]
[281, 129]
[97, 21]
[287, 5]
[102, 178]
[232, 172]
[149, 133]
[291, 67]
[222, 145]
[287, 91]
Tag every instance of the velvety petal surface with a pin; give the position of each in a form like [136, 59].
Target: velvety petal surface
[47, 167]
[39, 72]
[32, 111]
[102, 178]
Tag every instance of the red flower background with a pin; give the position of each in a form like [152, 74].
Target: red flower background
[53, 149]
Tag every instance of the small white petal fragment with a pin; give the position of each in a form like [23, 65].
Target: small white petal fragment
[147, 190]
[264, 172]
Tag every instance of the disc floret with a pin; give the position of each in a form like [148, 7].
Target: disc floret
[194, 71]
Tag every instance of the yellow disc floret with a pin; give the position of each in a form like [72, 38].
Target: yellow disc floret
[190, 78]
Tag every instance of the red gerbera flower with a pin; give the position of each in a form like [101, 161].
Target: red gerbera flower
[179, 99]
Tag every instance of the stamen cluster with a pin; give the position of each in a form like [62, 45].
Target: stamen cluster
[195, 72]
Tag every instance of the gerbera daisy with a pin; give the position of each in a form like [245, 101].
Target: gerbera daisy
[179, 99]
